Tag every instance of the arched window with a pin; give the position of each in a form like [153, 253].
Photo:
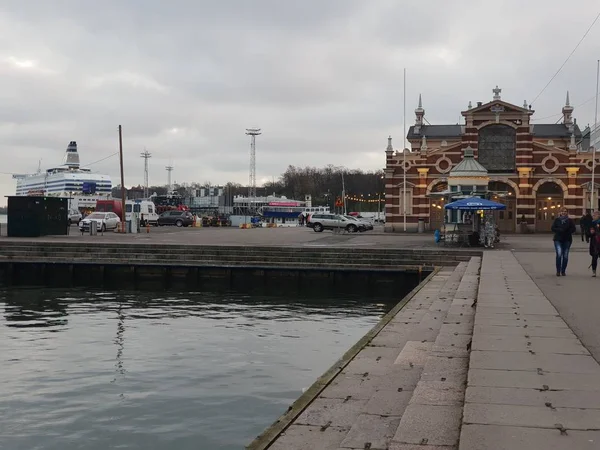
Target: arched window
[497, 148]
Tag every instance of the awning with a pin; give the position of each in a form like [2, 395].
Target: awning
[474, 204]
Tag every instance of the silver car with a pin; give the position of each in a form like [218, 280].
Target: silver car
[363, 225]
[74, 216]
[104, 221]
[320, 222]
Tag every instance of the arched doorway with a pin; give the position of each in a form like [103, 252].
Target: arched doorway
[549, 199]
[504, 193]
[436, 206]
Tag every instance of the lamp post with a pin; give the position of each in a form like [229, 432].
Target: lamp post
[595, 136]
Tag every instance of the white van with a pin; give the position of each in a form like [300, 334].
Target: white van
[145, 209]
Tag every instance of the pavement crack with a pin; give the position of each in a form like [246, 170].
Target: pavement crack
[562, 429]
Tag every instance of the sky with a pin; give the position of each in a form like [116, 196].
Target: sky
[322, 79]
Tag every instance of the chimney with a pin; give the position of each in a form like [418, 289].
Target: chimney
[479, 104]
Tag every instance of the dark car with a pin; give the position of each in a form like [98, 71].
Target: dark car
[177, 218]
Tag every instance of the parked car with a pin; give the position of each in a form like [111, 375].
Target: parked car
[177, 218]
[74, 216]
[104, 221]
[320, 222]
[363, 224]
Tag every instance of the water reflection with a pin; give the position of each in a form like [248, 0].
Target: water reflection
[50, 308]
[34, 308]
[134, 370]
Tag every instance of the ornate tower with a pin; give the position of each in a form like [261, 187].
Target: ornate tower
[419, 115]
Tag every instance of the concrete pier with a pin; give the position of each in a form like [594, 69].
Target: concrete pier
[472, 361]
[404, 386]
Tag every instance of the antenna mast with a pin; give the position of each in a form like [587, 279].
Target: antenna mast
[146, 155]
[252, 132]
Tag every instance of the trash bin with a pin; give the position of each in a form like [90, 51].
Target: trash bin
[421, 226]
[93, 228]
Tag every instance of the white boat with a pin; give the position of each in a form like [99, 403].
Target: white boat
[82, 186]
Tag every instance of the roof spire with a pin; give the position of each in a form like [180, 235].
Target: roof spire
[524, 104]
[389, 148]
[421, 103]
[419, 113]
[567, 111]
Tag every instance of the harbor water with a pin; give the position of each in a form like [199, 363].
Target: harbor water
[92, 369]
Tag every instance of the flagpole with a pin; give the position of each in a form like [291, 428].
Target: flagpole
[404, 152]
[596, 140]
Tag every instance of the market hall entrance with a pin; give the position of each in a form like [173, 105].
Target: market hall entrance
[549, 199]
[500, 192]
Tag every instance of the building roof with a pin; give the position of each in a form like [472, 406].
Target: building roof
[436, 131]
[468, 167]
[554, 130]
[542, 130]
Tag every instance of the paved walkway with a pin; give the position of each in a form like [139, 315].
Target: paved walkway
[576, 296]
[531, 383]
[447, 373]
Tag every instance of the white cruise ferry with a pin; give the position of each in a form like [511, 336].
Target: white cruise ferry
[69, 180]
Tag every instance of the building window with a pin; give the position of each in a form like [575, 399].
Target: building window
[497, 148]
[409, 202]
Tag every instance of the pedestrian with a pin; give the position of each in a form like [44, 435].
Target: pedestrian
[585, 224]
[594, 232]
[563, 229]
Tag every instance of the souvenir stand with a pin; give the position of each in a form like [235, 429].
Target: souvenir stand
[467, 180]
[484, 227]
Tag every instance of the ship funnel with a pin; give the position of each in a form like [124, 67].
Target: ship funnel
[71, 155]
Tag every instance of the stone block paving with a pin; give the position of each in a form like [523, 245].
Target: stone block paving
[531, 383]
[406, 388]
[364, 405]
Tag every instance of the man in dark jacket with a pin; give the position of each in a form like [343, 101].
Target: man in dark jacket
[585, 224]
[594, 232]
[563, 229]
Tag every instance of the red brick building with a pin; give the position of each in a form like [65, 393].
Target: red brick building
[537, 166]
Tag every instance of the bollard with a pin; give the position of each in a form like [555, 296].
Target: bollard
[147, 227]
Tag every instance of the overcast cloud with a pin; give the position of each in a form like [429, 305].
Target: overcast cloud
[323, 79]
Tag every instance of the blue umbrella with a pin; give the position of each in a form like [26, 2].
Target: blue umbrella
[474, 204]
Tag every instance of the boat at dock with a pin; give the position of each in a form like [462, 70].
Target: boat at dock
[80, 185]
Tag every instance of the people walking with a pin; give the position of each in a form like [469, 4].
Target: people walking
[563, 229]
[585, 224]
[594, 232]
